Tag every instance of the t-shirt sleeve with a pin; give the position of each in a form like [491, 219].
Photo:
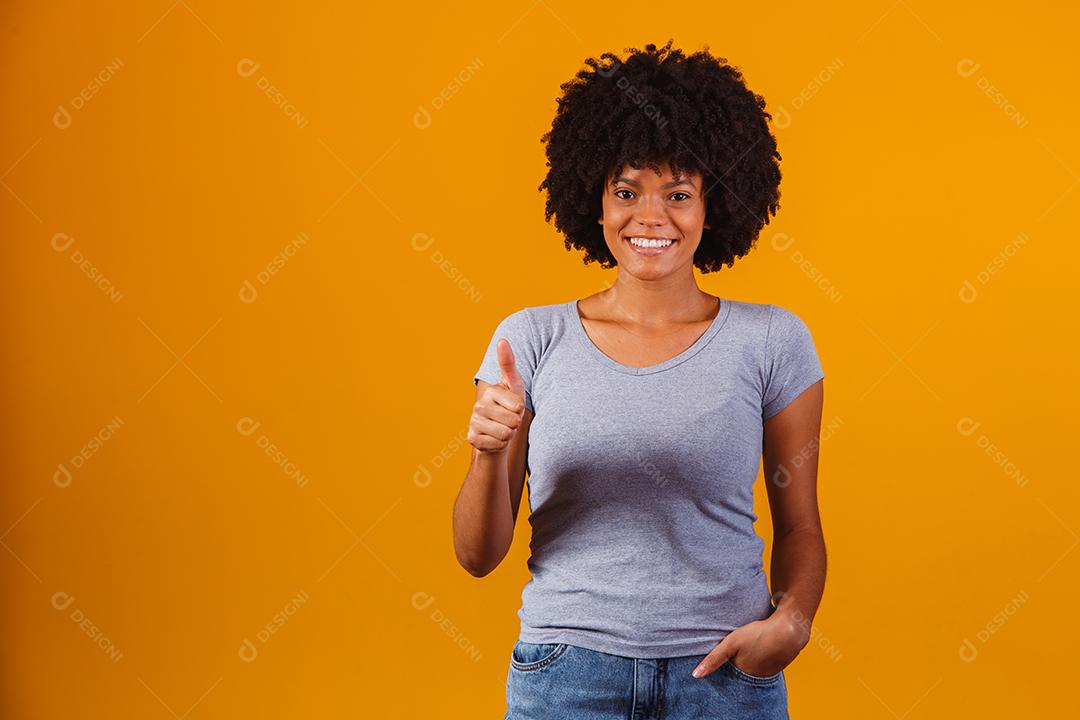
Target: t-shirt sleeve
[519, 330]
[791, 361]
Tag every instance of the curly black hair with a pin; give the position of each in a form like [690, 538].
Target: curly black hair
[693, 112]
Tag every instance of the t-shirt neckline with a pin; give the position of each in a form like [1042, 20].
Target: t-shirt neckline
[578, 328]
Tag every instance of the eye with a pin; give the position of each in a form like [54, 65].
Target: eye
[622, 190]
[680, 193]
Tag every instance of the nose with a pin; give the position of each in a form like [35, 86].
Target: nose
[651, 212]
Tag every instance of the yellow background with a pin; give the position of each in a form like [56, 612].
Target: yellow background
[297, 456]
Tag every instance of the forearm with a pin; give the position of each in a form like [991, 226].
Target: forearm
[798, 577]
[483, 516]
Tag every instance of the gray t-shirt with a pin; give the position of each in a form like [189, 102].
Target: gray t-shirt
[640, 481]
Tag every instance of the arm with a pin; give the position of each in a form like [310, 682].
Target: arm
[798, 555]
[486, 508]
[789, 447]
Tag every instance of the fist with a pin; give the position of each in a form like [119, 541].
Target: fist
[499, 410]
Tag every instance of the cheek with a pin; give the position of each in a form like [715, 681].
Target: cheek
[691, 219]
[616, 221]
[615, 212]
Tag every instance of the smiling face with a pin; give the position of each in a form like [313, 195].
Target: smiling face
[653, 223]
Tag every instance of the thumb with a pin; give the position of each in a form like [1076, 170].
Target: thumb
[510, 376]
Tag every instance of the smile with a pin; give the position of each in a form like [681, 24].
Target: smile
[649, 246]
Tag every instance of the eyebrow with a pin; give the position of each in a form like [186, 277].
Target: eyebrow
[673, 183]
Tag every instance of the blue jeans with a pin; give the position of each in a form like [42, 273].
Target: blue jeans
[558, 681]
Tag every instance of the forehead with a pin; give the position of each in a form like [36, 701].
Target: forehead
[646, 174]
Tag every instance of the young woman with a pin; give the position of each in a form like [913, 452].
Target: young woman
[641, 415]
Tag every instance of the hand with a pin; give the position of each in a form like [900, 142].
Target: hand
[763, 647]
[499, 410]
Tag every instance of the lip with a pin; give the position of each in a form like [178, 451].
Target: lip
[649, 252]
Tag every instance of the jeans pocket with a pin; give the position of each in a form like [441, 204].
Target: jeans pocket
[746, 677]
[529, 657]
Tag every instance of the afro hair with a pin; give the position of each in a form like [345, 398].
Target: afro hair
[693, 112]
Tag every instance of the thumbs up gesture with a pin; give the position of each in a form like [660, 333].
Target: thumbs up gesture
[499, 408]
[511, 379]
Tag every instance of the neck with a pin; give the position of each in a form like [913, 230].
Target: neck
[654, 302]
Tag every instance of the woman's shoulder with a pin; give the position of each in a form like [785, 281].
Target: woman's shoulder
[765, 315]
[766, 326]
[535, 324]
[749, 317]
[543, 317]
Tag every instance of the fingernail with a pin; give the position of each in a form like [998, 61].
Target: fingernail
[697, 672]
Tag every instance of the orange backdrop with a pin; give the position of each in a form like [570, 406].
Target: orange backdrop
[255, 255]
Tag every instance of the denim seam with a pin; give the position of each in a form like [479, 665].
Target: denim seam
[753, 679]
[542, 662]
[661, 682]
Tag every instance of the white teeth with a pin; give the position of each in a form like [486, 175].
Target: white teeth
[645, 242]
